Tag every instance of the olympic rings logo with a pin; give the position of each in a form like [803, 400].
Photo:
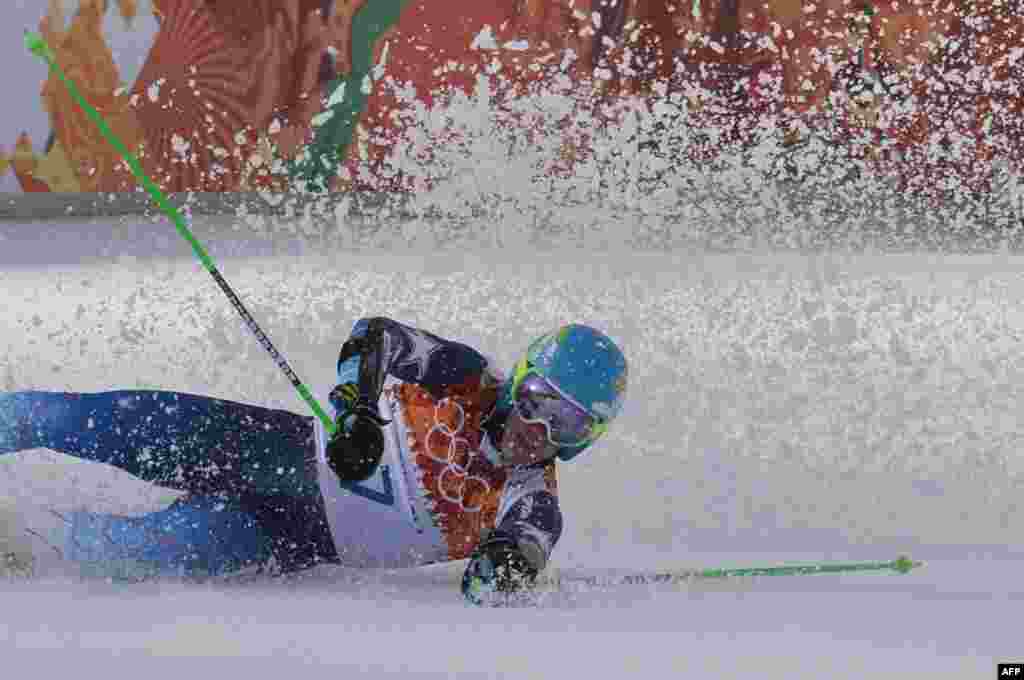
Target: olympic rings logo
[458, 459]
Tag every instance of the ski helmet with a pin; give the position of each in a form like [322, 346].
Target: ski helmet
[586, 367]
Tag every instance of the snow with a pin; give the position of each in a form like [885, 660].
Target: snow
[782, 408]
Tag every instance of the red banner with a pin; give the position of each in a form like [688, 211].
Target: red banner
[287, 94]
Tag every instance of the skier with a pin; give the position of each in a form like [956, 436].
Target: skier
[437, 456]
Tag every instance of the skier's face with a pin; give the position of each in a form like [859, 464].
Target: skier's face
[525, 443]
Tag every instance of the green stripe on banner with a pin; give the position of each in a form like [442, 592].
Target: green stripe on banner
[335, 126]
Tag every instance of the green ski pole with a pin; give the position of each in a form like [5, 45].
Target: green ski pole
[901, 565]
[37, 46]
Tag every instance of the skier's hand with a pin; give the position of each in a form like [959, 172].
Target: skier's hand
[355, 448]
[498, 569]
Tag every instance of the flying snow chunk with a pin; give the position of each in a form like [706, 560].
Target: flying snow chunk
[568, 57]
[180, 145]
[484, 40]
[338, 96]
[154, 90]
[378, 70]
[321, 119]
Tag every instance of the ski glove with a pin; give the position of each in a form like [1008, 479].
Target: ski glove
[499, 568]
[355, 449]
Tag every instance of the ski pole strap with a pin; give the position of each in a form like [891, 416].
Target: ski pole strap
[37, 46]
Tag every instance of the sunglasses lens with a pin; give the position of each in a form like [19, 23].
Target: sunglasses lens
[537, 401]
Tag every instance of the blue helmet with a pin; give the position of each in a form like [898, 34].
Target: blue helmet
[586, 366]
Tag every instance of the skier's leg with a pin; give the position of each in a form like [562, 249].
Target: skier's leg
[297, 529]
[199, 536]
[180, 441]
[196, 536]
[258, 463]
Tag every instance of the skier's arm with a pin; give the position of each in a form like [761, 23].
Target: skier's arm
[528, 527]
[412, 355]
[373, 342]
[357, 445]
[386, 347]
[534, 523]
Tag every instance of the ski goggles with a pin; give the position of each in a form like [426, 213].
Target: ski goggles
[537, 400]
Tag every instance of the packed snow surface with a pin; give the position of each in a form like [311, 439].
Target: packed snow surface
[783, 407]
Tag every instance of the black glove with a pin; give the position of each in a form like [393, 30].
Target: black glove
[499, 569]
[355, 449]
